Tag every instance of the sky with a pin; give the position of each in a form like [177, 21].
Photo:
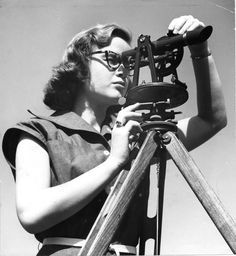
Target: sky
[33, 36]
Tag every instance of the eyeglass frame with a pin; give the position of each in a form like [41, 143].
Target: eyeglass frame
[107, 60]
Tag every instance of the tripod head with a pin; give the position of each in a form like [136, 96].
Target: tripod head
[163, 56]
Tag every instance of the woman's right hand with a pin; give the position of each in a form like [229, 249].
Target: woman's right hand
[127, 127]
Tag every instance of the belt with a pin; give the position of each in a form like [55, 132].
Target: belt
[76, 242]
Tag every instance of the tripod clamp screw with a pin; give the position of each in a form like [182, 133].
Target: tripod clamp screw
[166, 139]
[162, 139]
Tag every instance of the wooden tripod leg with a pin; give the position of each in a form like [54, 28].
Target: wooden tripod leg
[202, 190]
[107, 223]
[105, 209]
[103, 213]
[160, 199]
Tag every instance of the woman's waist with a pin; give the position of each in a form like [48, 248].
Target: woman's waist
[113, 248]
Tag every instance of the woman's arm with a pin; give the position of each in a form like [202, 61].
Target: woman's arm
[40, 206]
[211, 116]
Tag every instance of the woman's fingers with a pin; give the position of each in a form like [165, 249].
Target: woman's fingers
[123, 119]
[133, 127]
[184, 23]
[177, 23]
[126, 130]
[132, 107]
[129, 113]
[122, 137]
[195, 25]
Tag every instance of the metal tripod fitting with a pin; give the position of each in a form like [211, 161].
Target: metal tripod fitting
[166, 139]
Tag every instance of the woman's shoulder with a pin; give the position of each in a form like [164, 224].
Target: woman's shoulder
[34, 126]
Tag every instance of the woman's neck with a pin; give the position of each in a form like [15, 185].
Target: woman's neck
[91, 112]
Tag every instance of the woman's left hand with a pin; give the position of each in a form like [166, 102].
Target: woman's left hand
[184, 23]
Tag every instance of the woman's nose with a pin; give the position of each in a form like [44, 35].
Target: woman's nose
[122, 71]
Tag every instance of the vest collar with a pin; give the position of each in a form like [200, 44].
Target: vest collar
[68, 120]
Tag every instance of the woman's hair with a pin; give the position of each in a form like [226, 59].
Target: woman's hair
[69, 77]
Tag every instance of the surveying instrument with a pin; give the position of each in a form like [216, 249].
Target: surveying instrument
[157, 98]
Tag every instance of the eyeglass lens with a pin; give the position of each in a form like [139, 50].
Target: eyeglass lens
[114, 60]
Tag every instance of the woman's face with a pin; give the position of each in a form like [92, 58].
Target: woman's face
[106, 84]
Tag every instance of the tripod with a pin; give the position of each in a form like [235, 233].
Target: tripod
[159, 137]
[118, 200]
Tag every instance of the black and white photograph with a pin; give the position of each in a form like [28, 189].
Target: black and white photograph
[117, 127]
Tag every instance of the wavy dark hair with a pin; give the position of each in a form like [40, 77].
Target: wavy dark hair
[70, 75]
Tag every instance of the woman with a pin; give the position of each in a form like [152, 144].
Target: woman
[64, 164]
